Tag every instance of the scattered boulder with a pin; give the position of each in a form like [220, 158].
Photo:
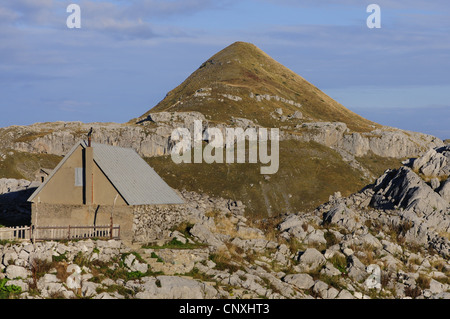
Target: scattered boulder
[444, 191]
[13, 272]
[310, 259]
[301, 281]
[341, 215]
[434, 163]
[204, 235]
[134, 264]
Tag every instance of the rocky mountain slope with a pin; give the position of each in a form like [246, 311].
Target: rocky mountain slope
[382, 242]
[390, 240]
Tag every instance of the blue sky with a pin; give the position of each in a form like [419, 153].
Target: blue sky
[129, 54]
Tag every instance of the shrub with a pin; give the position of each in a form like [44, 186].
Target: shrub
[39, 268]
[331, 239]
[81, 260]
[412, 292]
[222, 262]
[423, 281]
[135, 275]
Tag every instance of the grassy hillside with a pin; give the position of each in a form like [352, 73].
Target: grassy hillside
[309, 173]
[243, 69]
[21, 165]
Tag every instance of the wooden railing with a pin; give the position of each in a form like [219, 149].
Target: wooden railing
[75, 232]
[41, 233]
[15, 233]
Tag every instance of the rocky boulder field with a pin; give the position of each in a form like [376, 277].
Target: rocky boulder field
[391, 240]
[338, 251]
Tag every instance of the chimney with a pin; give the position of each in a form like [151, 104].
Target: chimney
[89, 137]
[89, 171]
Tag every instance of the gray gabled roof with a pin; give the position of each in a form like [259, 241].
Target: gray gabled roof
[133, 178]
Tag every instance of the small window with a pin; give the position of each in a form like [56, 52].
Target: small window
[78, 176]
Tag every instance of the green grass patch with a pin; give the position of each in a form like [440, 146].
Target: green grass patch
[154, 255]
[223, 263]
[377, 165]
[175, 244]
[339, 262]
[20, 165]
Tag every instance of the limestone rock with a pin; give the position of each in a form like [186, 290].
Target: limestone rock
[341, 215]
[74, 280]
[301, 281]
[134, 265]
[321, 289]
[356, 269]
[13, 272]
[315, 237]
[174, 287]
[444, 191]
[345, 294]
[404, 188]
[206, 236]
[311, 259]
[433, 163]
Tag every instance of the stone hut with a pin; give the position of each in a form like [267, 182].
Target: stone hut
[96, 182]
[42, 174]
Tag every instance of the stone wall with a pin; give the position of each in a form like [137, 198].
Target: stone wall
[154, 222]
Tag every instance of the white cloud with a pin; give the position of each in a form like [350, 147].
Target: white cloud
[34, 12]
[159, 8]
[7, 15]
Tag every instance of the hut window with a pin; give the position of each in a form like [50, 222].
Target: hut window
[78, 176]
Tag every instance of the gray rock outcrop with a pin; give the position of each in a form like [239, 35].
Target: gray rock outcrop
[151, 135]
[384, 142]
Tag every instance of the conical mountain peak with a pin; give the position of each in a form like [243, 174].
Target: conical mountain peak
[243, 81]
